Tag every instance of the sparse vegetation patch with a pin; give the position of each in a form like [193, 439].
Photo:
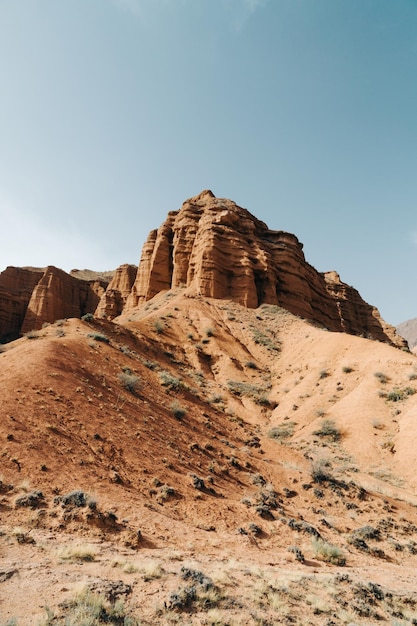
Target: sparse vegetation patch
[171, 382]
[383, 378]
[283, 431]
[255, 392]
[31, 500]
[78, 552]
[263, 339]
[400, 394]
[328, 552]
[329, 430]
[129, 381]
[178, 411]
[99, 337]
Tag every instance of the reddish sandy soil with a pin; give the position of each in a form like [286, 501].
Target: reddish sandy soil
[233, 466]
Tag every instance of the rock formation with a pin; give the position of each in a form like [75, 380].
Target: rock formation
[58, 295]
[29, 297]
[215, 249]
[113, 300]
[16, 287]
[219, 250]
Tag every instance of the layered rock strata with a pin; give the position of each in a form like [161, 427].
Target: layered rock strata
[29, 297]
[113, 300]
[215, 249]
[16, 287]
[219, 250]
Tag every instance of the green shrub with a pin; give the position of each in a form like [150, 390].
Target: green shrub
[75, 498]
[88, 317]
[91, 609]
[383, 378]
[320, 473]
[31, 500]
[400, 394]
[395, 395]
[178, 410]
[258, 479]
[129, 381]
[299, 556]
[328, 429]
[151, 365]
[283, 431]
[198, 483]
[328, 552]
[256, 392]
[265, 340]
[216, 398]
[99, 337]
[346, 369]
[263, 401]
[170, 381]
[366, 532]
[159, 326]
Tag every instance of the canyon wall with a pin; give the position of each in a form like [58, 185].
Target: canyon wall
[215, 249]
[219, 250]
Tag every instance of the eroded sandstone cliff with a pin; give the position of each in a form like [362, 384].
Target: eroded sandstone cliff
[58, 295]
[16, 287]
[29, 297]
[114, 298]
[217, 249]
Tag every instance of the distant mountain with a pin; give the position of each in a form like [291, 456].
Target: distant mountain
[408, 330]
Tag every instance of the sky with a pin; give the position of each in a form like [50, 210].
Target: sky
[304, 112]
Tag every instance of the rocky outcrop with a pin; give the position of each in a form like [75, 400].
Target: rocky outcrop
[29, 297]
[58, 295]
[113, 300]
[215, 249]
[356, 316]
[220, 250]
[16, 287]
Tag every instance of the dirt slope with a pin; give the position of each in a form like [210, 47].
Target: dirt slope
[230, 466]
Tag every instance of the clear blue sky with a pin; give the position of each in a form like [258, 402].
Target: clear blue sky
[112, 112]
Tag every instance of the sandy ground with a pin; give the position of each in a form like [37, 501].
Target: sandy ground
[235, 466]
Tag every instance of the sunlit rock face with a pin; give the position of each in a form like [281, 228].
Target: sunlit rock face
[213, 248]
[219, 250]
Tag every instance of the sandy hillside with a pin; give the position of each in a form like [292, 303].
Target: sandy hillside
[197, 462]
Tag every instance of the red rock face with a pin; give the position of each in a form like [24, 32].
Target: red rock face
[16, 287]
[114, 298]
[31, 297]
[219, 250]
[214, 248]
[58, 295]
